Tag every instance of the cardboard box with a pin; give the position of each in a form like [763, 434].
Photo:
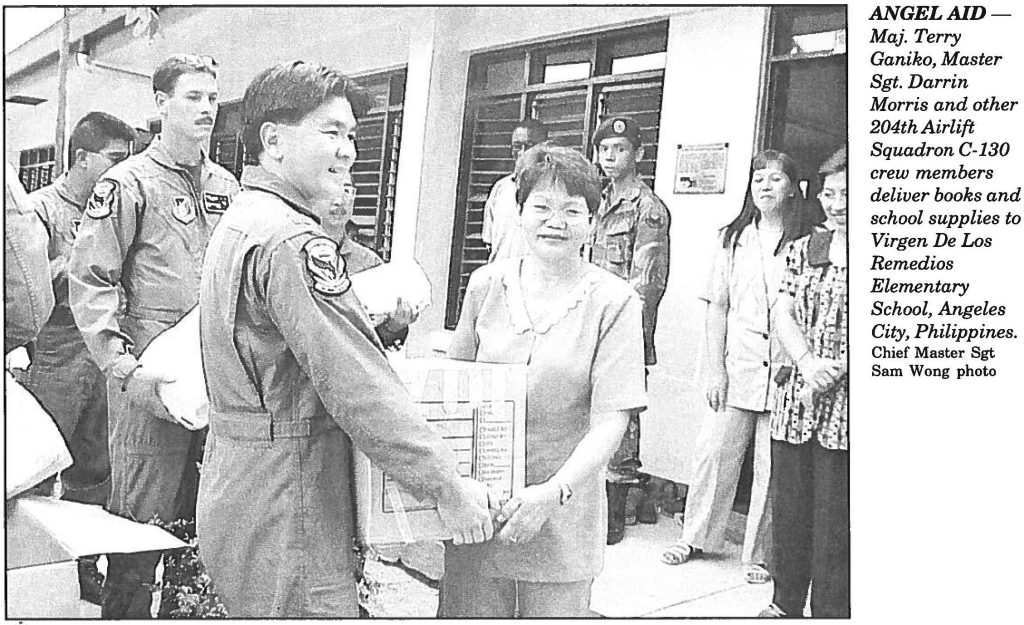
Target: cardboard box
[480, 410]
[45, 538]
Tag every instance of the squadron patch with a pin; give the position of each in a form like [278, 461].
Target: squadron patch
[183, 210]
[655, 220]
[326, 267]
[215, 203]
[101, 202]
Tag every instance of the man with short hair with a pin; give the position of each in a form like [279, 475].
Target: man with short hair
[296, 374]
[63, 376]
[501, 230]
[631, 241]
[149, 220]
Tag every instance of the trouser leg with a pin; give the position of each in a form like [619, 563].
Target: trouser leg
[758, 536]
[88, 480]
[792, 501]
[463, 593]
[830, 568]
[554, 599]
[148, 459]
[625, 463]
[127, 593]
[721, 446]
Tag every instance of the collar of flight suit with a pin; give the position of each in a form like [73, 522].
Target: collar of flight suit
[255, 177]
[631, 193]
[159, 153]
[61, 188]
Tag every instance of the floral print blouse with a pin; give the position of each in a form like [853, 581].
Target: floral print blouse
[819, 288]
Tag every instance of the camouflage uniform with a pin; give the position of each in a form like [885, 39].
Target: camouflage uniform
[631, 241]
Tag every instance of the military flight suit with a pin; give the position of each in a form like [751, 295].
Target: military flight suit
[631, 241]
[293, 369]
[28, 295]
[146, 229]
[63, 375]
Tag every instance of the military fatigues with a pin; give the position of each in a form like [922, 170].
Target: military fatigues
[631, 241]
[146, 229]
[63, 375]
[28, 296]
[293, 369]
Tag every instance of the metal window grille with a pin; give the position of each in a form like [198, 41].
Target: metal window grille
[36, 167]
[499, 96]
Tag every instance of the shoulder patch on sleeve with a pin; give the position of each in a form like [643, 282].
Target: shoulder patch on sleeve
[104, 197]
[326, 267]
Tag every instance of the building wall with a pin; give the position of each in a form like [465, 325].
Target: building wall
[705, 45]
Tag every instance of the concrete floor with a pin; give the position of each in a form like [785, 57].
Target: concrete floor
[635, 582]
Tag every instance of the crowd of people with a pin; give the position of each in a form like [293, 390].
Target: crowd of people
[125, 246]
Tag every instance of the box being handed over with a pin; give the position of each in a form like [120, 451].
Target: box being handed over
[480, 410]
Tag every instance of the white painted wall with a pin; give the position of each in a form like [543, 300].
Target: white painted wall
[712, 81]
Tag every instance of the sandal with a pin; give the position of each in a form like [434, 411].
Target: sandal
[756, 574]
[680, 553]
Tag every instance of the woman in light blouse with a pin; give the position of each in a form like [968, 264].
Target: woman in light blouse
[810, 424]
[578, 330]
[742, 357]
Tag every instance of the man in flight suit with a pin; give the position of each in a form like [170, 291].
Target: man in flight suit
[63, 375]
[296, 374]
[147, 225]
[631, 241]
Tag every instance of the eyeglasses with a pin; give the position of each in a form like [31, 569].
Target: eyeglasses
[522, 145]
[114, 157]
[570, 215]
[829, 194]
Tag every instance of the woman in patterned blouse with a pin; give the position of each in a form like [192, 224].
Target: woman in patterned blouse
[810, 458]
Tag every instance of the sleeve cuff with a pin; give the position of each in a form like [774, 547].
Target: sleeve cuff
[122, 366]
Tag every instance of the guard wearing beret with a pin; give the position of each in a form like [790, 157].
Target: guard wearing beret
[631, 241]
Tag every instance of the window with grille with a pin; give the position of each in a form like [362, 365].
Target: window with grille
[375, 172]
[571, 86]
[35, 167]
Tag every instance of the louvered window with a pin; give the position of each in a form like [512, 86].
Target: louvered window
[35, 167]
[378, 139]
[543, 81]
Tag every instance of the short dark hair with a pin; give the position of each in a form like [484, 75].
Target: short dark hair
[533, 126]
[166, 75]
[287, 93]
[551, 163]
[96, 130]
[834, 164]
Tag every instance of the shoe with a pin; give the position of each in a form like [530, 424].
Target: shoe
[772, 611]
[756, 574]
[616, 511]
[680, 553]
[90, 580]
